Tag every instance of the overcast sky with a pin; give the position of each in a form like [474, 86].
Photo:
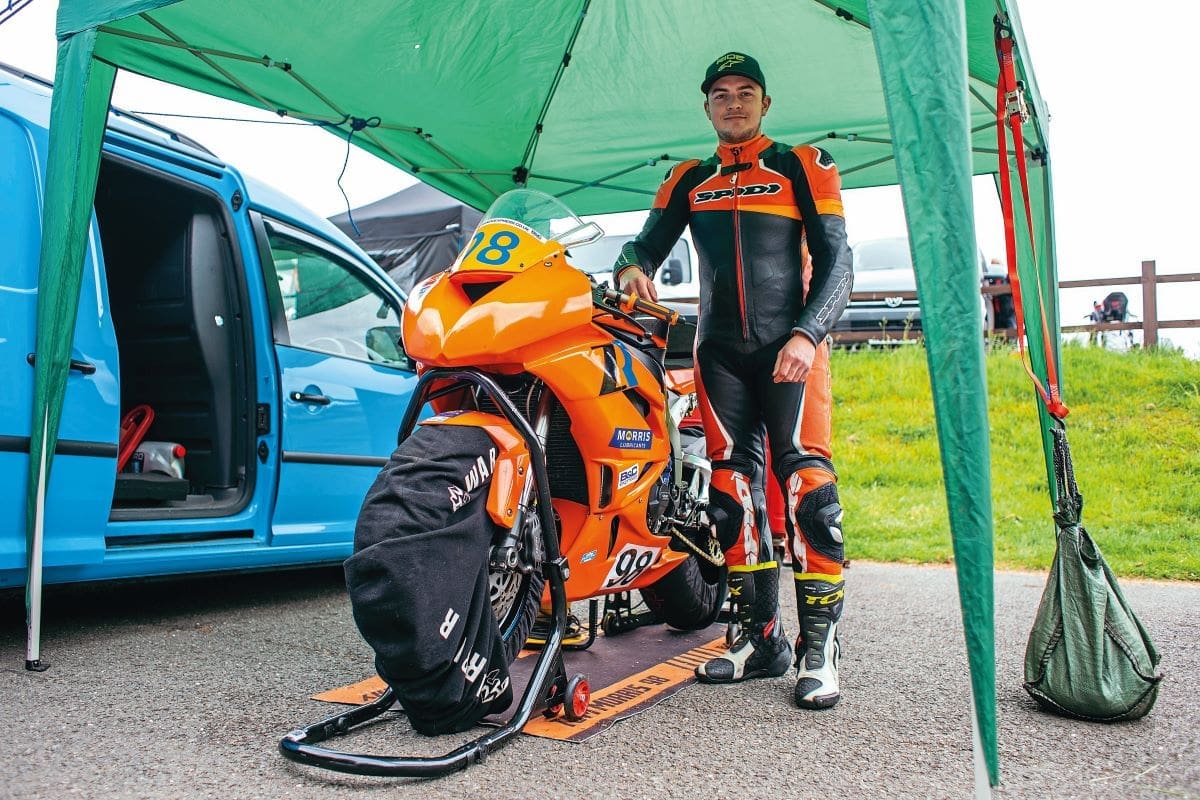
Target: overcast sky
[1118, 78]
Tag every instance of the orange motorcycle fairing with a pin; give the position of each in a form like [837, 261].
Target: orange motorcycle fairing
[606, 555]
[512, 304]
[477, 316]
[613, 395]
[681, 381]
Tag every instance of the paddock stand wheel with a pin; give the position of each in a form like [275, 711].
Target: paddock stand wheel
[571, 698]
[302, 745]
[579, 697]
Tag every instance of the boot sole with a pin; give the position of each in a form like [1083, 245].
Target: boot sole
[758, 673]
[819, 703]
[783, 664]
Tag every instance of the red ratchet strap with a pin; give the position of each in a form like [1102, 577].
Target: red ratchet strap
[1010, 108]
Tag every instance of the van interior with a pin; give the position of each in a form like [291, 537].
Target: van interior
[177, 307]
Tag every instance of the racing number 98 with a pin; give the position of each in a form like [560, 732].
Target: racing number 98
[499, 247]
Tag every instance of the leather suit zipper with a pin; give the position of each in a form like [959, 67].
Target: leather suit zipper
[737, 248]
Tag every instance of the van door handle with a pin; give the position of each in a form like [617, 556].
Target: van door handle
[315, 399]
[81, 367]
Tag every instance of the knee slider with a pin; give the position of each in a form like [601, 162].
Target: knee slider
[820, 519]
[725, 514]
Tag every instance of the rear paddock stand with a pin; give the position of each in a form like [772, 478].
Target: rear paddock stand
[619, 616]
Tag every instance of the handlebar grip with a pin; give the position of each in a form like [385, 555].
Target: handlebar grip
[631, 302]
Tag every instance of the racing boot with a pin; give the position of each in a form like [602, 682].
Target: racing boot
[819, 604]
[760, 648]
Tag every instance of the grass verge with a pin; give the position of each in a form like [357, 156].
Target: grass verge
[1134, 432]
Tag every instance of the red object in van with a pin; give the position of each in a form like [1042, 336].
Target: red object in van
[134, 425]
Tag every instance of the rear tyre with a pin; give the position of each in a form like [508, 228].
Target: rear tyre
[688, 597]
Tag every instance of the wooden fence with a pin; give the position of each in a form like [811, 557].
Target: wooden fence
[1150, 324]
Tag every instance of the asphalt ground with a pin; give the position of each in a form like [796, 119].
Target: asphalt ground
[183, 688]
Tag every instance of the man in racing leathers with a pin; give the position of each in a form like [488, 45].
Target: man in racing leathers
[750, 206]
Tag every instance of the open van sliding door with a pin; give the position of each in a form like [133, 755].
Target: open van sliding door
[344, 383]
[184, 315]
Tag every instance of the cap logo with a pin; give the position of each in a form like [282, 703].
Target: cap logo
[729, 60]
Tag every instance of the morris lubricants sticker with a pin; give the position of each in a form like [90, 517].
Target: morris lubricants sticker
[631, 439]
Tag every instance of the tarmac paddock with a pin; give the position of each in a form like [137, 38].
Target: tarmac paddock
[182, 688]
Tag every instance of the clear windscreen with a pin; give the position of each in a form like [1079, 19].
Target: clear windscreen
[546, 216]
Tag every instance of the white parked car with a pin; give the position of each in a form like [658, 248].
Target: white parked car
[884, 267]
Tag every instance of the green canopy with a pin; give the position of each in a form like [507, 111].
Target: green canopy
[591, 100]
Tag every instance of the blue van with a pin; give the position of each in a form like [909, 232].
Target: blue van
[263, 343]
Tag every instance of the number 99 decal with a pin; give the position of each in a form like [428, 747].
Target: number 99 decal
[630, 563]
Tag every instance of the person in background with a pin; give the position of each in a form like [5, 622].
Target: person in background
[750, 207]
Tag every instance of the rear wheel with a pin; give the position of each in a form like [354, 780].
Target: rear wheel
[689, 596]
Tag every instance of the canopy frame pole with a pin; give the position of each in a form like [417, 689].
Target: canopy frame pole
[35, 577]
[78, 112]
[536, 135]
[1030, 152]
[866, 165]
[212, 64]
[180, 44]
[428, 139]
[982, 98]
[464, 171]
[202, 53]
[541, 177]
[265, 61]
[862, 23]
[650, 162]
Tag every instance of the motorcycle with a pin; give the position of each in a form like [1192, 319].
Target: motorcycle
[595, 486]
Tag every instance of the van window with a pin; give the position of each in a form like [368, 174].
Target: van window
[597, 259]
[330, 306]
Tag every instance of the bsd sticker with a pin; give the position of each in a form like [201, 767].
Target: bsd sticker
[627, 476]
[631, 439]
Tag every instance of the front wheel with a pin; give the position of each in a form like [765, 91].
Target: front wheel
[688, 597]
[515, 596]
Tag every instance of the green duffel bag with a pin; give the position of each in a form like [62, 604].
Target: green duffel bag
[1088, 654]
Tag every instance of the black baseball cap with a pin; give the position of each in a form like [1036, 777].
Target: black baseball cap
[733, 64]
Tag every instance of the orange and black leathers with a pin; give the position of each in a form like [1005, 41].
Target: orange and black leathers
[749, 207]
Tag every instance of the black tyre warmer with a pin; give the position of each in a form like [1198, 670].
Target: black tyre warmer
[418, 579]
